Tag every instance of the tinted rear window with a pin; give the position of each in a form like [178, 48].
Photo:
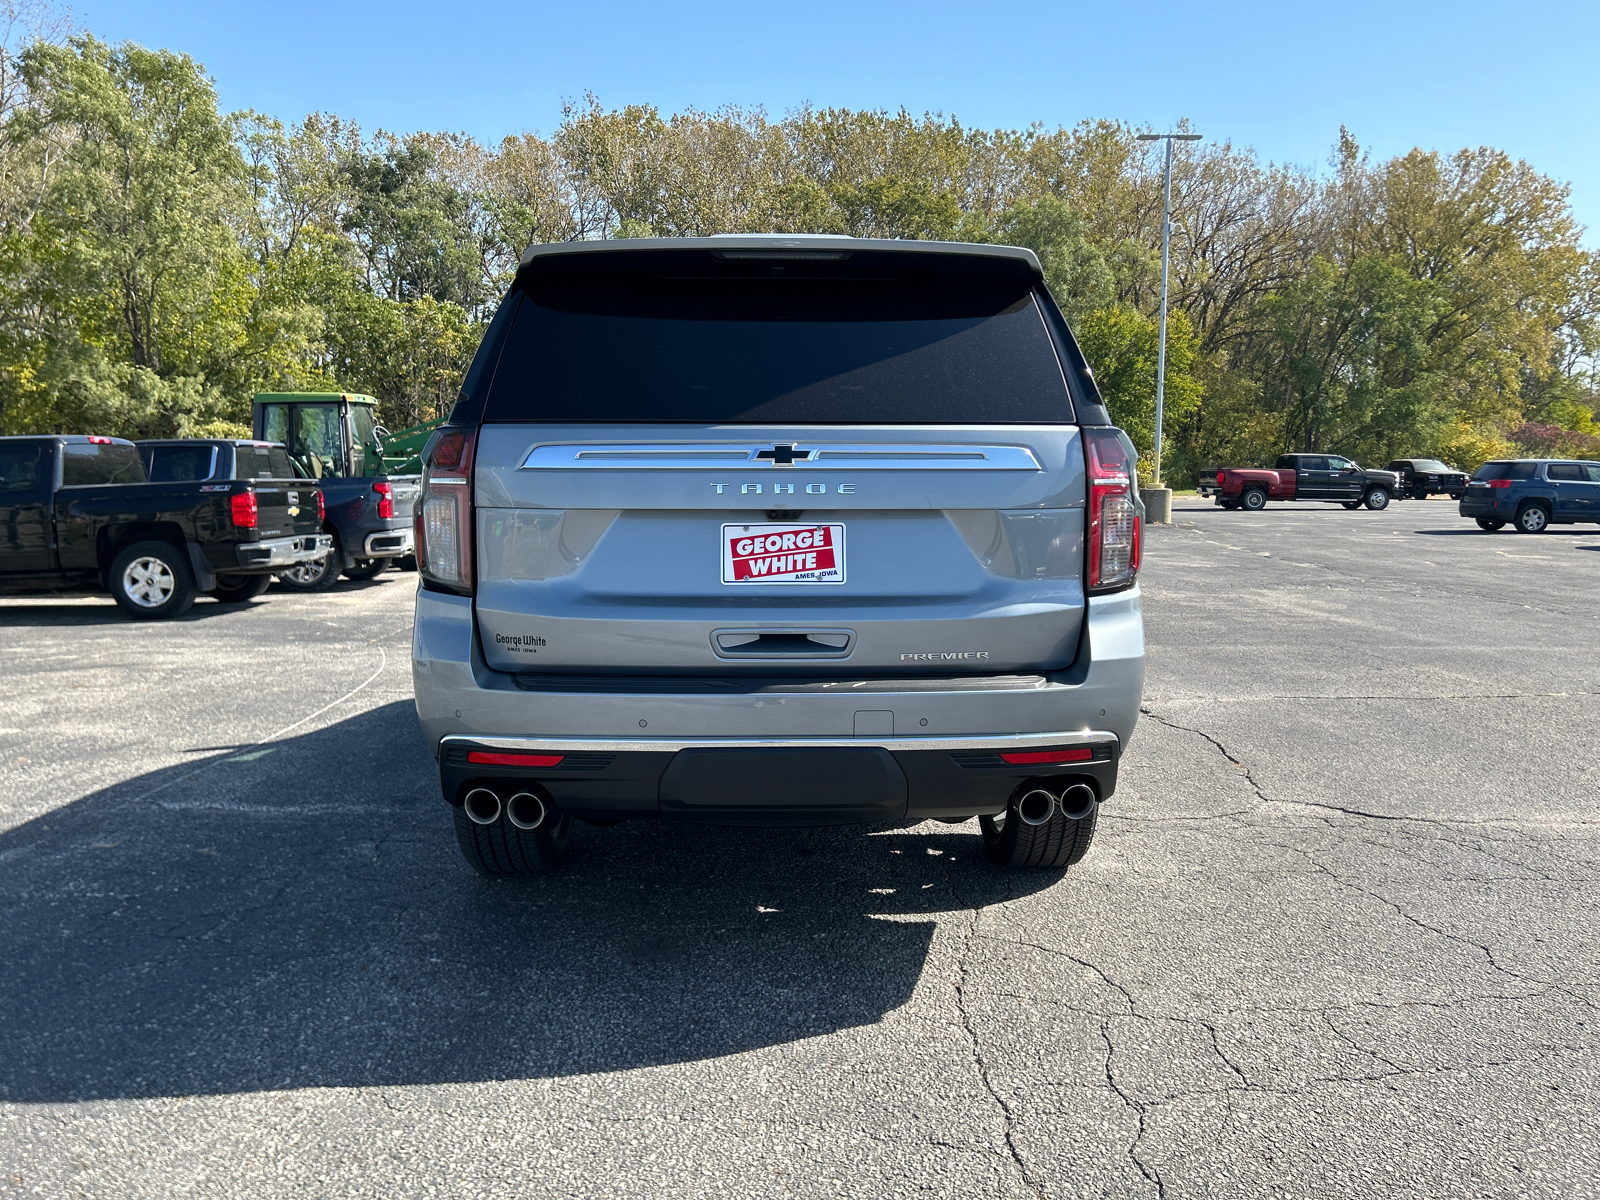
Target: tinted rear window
[90, 462]
[1505, 470]
[173, 464]
[618, 346]
[1429, 466]
[20, 466]
[261, 462]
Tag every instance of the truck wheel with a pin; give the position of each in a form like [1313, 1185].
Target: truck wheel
[152, 580]
[366, 568]
[1490, 524]
[1253, 499]
[1532, 518]
[1059, 842]
[500, 848]
[316, 576]
[1352, 505]
[1377, 499]
[236, 589]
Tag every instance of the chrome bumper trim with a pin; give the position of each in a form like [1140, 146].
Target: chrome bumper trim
[284, 552]
[993, 741]
[390, 543]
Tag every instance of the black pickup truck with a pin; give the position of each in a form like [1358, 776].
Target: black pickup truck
[80, 513]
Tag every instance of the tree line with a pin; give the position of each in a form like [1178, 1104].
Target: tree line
[161, 261]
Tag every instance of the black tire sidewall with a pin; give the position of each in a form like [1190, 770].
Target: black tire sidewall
[176, 560]
[241, 589]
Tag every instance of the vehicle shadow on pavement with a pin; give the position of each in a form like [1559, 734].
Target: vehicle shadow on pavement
[299, 916]
[47, 613]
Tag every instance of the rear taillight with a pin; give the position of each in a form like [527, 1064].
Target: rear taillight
[1499, 483]
[322, 507]
[1114, 521]
[245, 510]
[444, 513]
[385, 501]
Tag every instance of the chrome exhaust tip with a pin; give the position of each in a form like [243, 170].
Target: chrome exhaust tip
[482, 805]
[1035, 807]
[525, 810]
[1077, 801]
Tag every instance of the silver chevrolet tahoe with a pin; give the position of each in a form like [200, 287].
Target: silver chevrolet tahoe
[762, 530]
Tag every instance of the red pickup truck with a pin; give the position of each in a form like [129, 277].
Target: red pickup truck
[1325, 477]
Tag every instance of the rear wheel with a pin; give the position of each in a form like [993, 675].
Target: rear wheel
[1377, 499]
[1059, 842]
[1532, 518]
[366, 568]
[1254, 499]
[1352, 505]
[236, 589]
[152, 580]
[318, 575]
[1490, 524]
[500, 848]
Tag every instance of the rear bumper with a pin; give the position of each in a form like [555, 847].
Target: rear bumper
[767, 781]
[460, 701]
[388, 543]
[276, 553]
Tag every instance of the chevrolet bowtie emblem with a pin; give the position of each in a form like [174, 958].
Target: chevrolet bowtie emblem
[784, 455]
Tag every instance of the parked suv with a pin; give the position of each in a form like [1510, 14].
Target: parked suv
[778, 531]
[1533, 494]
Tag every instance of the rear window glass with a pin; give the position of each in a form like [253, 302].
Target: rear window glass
[261, 462]
[1505, 470]
[20, 467]
[1429, 466]
[90, 462]
[1565, 471]
[617, 346]
[173, 464]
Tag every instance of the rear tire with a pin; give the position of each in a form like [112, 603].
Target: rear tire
[1352, 505]
[1532, 518]
[236, 589]
[367, 568]
[1377, 500]
[1253, 499]
[152, 581]
[316, 576]
[1490, 525]
[1059, 842]
[500, 848]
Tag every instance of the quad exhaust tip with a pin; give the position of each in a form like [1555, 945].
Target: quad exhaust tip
[1076, 801]
[1035, 807]
[525, 810]
[482, 805]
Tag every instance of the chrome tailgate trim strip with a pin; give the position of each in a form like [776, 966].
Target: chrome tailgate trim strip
[996, 741]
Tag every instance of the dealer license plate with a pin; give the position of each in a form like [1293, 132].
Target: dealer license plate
[783, 554]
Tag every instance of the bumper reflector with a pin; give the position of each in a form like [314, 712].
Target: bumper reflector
[493, 759]
[1026, 757]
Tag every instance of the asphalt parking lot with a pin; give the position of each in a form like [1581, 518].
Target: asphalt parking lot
[1336, 936]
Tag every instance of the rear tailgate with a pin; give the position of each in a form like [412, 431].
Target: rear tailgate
[910, 550]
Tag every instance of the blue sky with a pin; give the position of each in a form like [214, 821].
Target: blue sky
[1281, 78]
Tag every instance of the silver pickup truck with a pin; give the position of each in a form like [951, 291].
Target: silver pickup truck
[778, 531]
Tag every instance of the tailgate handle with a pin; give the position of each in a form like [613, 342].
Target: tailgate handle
[783, 643]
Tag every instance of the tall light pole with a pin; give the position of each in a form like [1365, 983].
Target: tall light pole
[1166, 238]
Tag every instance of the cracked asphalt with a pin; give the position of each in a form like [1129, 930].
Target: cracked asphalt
[1336, 936]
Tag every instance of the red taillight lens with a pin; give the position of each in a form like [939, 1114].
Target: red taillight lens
[99, 441]
[385, 501]
[444, 512]
[1499, 483]
[513, 760]
[245, 510]
[322, 506]
[1028, 757]
[1114, 522]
